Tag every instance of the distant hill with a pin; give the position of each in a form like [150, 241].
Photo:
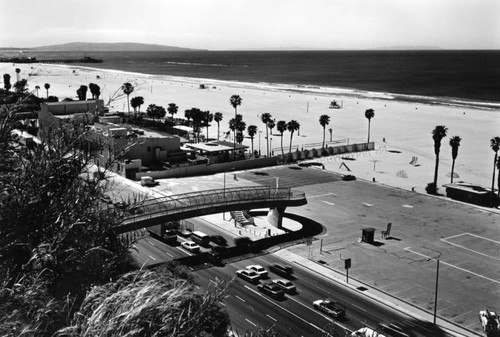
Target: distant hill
[120, 46]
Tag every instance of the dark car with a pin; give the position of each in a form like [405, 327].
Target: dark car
[283, 270]
[348, 177]
[272, 290]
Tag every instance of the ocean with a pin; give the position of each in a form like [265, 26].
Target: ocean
[468, 77]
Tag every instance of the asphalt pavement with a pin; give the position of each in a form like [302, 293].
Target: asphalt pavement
[400, 270]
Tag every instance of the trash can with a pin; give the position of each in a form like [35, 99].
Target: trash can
[368, 234]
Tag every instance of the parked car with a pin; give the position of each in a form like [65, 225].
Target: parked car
[282, 270]
[489, 321]
[272, 290]
[191, 246]
[330, 307]
[348, 177]
[258, 269]
[248, 275]
[286, 285]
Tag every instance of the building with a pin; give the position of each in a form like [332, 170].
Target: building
[130, 149]
[56, 115]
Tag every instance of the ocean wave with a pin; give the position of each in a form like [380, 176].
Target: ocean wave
[197, 64]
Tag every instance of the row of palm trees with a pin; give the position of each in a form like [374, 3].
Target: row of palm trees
[439, 133]
[237, 124]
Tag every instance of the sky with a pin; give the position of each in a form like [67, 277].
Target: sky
[255, 24]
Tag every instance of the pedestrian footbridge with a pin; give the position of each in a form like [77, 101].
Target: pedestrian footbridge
[183, 206]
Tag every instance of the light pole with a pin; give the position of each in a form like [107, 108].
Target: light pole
[271, 146]
[436, 290]
[224, 193]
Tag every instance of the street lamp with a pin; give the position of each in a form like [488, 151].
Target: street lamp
[224, 193]
[436, 290]
[271, 146]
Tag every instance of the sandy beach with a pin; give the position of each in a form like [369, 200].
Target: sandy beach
[401, 130]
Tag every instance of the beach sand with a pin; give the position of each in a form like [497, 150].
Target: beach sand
[401, 130]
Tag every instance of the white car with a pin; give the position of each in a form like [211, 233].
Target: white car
[191, 246]
[286, 285]
[249, 275]
[258, 269]
[366, 332]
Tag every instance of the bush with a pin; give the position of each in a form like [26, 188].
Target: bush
[431, 188]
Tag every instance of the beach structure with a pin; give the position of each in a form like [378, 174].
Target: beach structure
[218, 151]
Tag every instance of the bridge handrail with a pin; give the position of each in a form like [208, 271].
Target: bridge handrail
[195, 200]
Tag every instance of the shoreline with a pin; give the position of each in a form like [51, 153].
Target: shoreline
[308, 89]
[400, 125]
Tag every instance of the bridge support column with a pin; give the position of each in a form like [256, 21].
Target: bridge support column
[275, 216]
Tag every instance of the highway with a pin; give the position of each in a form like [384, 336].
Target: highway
[294, 316]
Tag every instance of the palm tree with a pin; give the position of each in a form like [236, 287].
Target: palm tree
[438, 134]
[172, 109]
[218, 119]
[324, 120]
[252, 130]
[47, 87]
[37, 87]
[17, 73]
[454, 143]
[266, 118]
[136, 102]
[369, 114]
[208, 118]
[281, 126]
[292, 126]
[6, 82]
[495, 146]
[235, 101]
[127, 89]
[498, 182]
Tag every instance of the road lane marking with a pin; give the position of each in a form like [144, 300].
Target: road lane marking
[321, 195]
[242, 300]
[358, 307]
[329, 203]
[152, 244]
[152, 258]
[249, 321]
[213, 281]
[291, 313]
[367, 204]
[169, 254]
[407, 206]
[454, 266]
[274, 319]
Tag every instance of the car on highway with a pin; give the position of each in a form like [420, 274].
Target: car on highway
[394, 330]
[282, 270]
[286, 285]
[191, 246]
[366, 332]
[330, 307]
[248, 275]
[272, 290]
[258, 269]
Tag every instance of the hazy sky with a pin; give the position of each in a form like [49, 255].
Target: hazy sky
[254, 24]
